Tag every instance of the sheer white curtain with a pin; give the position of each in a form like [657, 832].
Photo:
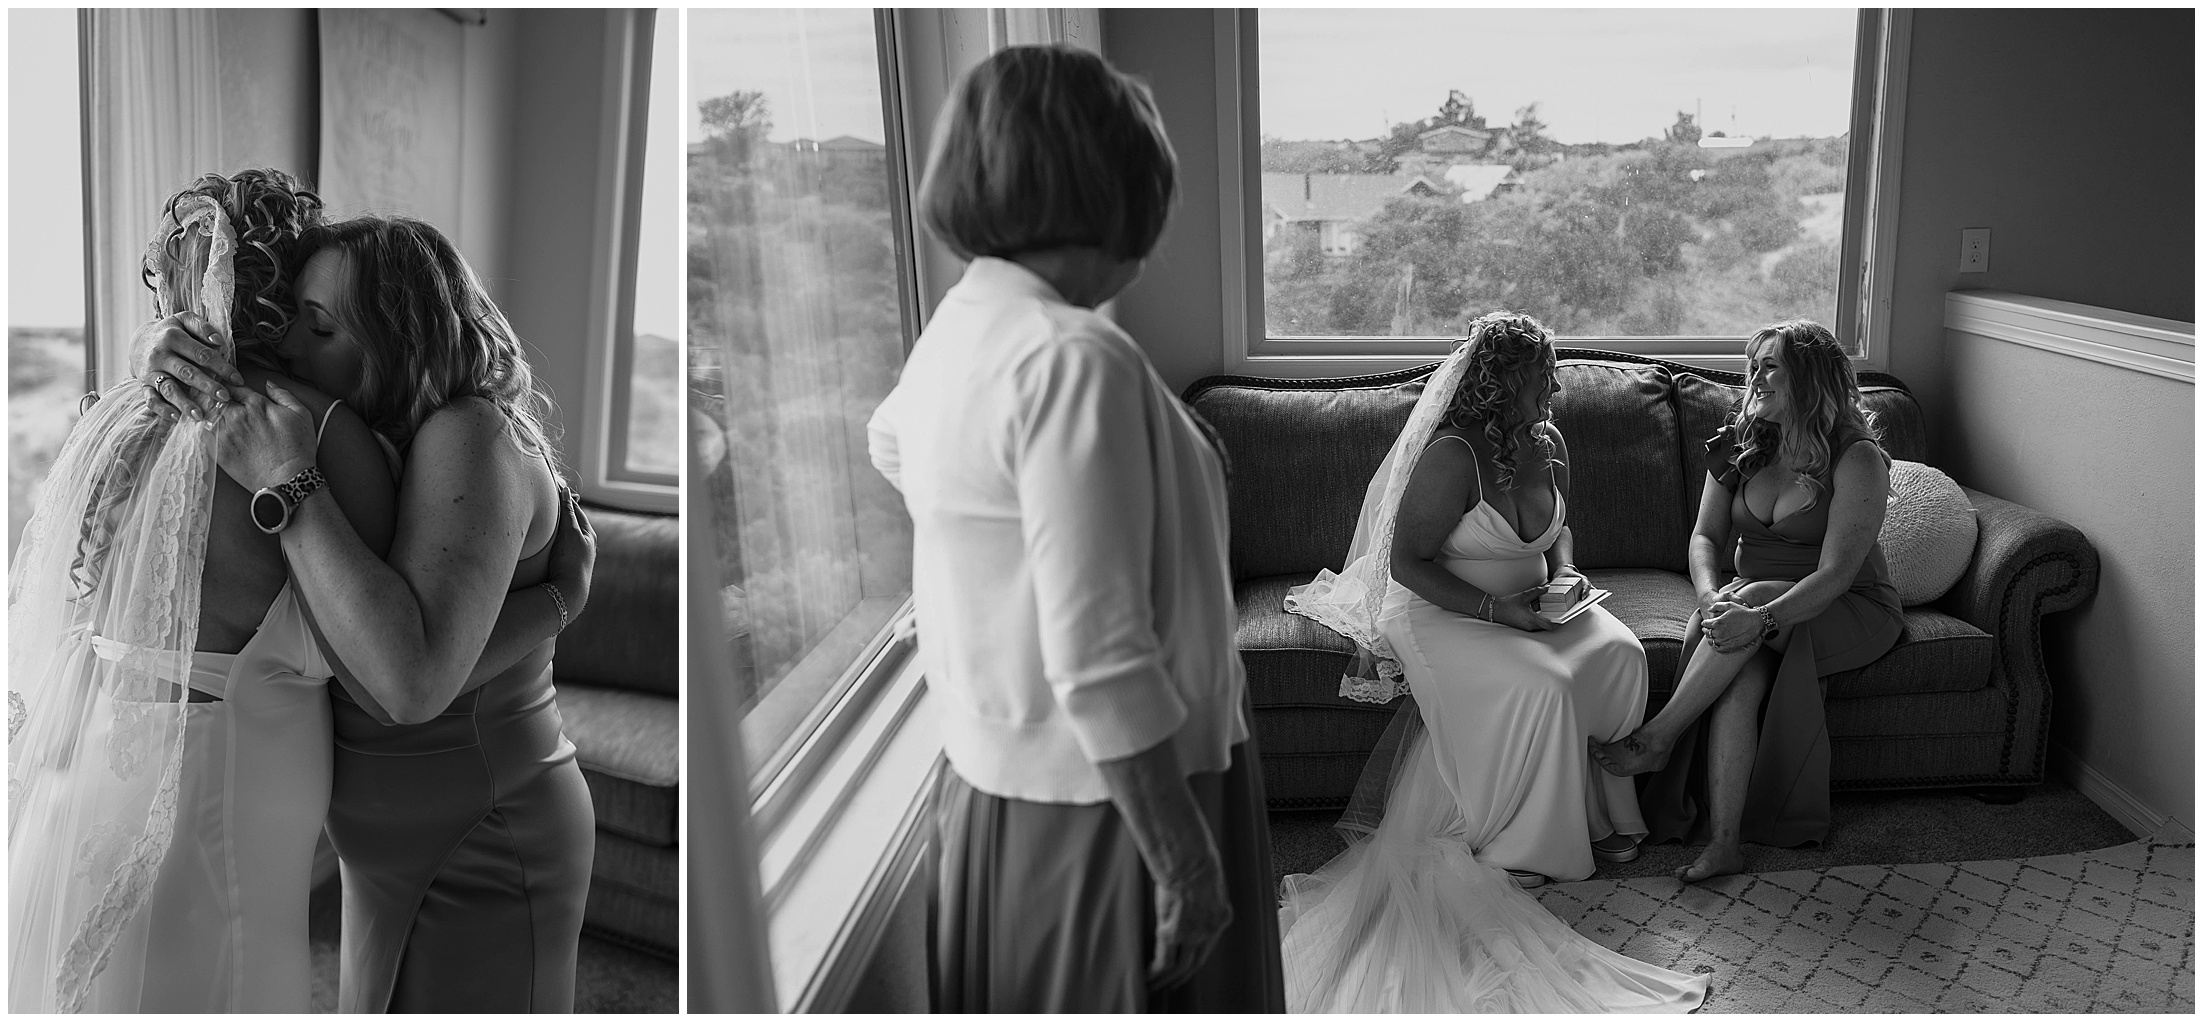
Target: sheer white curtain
[153, 115]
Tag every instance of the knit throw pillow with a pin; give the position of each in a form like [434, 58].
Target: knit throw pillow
[1928, 532]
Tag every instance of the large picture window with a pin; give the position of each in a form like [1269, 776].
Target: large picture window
[48, 369]
[1663, 181]
[631, 423]
[796, 332]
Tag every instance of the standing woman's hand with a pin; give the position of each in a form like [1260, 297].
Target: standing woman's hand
[573, 553]
[177, 360]
[262, 441]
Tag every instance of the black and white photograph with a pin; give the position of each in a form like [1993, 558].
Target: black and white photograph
[1439, 510]
[344, 494]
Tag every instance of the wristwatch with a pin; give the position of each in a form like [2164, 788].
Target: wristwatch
[272, 506]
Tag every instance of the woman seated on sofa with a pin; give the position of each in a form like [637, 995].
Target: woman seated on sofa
[1800, 479]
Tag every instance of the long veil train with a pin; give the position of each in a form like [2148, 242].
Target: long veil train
[103, 614]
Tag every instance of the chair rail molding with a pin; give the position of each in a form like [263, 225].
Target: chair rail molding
[2146, 344]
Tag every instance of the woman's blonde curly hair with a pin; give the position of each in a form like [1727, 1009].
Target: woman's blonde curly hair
[1508, 353]
[270, 211]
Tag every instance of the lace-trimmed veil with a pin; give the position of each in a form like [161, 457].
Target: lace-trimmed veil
[103, 614]
[1349, 602]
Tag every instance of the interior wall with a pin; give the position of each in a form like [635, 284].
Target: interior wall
[2111, 451]
[486, 155]
[2069, 134]
[553, 187]
[1175, 310]
[269, 89]
[2107, 219]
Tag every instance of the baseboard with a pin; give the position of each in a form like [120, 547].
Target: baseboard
[2108, 795]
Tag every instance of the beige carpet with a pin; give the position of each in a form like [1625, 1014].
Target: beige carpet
[2105, 930]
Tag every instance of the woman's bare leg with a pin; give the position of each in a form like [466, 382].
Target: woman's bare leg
[1732, 743]
[1707, 675]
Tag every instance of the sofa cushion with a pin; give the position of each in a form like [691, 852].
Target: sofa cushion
[1301, 460]
[1291, 660]
[1897, 414]
[1626, 498]
[626, 637]
[1655, 605]
[635, 894]
[628, 744]
[1937, 653]
[1702, 407]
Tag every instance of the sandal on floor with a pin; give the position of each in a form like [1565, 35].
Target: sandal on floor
[1616, 848]
[1525, 879]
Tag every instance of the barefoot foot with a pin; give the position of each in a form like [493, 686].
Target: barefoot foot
[1632, 755]
[1713, 862]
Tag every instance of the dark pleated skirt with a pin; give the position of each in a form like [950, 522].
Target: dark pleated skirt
[1786, 801]
[1049, 908]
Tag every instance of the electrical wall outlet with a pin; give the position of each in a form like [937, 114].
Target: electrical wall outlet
[1973, 250]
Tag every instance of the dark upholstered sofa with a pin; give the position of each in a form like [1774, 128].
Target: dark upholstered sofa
[619, 684]
[1962, 701]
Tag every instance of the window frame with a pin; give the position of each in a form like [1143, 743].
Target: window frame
[840, 809]
[1865, 277]
[623, 124]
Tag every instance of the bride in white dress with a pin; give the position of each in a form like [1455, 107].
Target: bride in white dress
[169, 750]
[169, 725]
[1484, 784]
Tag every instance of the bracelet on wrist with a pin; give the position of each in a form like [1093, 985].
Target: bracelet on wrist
[559, 599]
[1768, 627]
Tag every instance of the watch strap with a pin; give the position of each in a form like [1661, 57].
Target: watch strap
[296, 489]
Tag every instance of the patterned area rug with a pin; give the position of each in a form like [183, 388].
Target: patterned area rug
[2105, 930]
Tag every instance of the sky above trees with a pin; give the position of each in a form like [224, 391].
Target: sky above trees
[1598, 76]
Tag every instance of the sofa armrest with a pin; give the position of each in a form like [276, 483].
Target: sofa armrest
[2026, 564]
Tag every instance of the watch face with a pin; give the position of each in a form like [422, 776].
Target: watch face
[269, 511]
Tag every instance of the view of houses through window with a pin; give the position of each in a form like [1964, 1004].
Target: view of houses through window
[1614, 173]
[795, 335]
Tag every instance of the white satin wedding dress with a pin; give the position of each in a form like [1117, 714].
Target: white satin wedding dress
[1420, 915]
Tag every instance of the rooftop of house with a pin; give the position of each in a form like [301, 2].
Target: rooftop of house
[1478, 181]
[1295, 197]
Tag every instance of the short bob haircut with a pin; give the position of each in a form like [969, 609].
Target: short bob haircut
[1046, 147]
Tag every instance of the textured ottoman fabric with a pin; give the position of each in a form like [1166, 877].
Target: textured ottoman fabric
[628, 745]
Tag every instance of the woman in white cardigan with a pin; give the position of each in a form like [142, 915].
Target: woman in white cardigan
[1103, 841]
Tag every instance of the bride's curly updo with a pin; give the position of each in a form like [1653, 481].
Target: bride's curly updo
[1509, 352]
[269, 210]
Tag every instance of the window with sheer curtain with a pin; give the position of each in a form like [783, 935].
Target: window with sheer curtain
[797, 329]
[48, 369]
